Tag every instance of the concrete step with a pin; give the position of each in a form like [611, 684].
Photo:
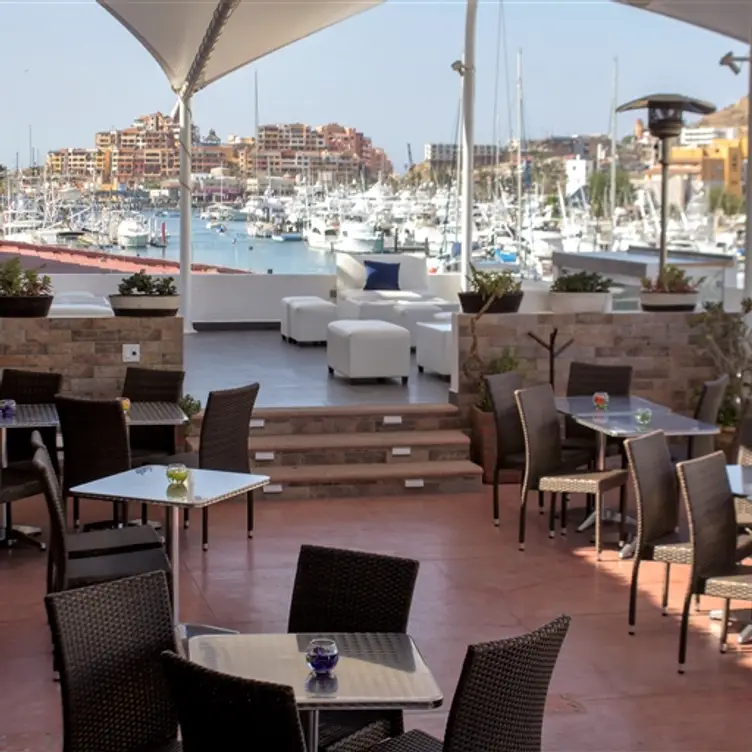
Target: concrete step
[279, 450]
[378, 479]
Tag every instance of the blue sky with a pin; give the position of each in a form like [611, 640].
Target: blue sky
[68, 70]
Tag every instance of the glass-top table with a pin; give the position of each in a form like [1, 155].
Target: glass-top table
[149, 485]
[740, 480]
[574, 406]
[374, 672]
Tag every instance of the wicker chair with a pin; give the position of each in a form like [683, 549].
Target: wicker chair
[741, 453]
[95, 445]
[150, 445]
[98, 556]
[712, 530]
[510, 443]
[708, 407]
[223, 444]
[18, 480]
[352, 591]
[500, 698]
[109, 639]
[550, 468]
[220, 712]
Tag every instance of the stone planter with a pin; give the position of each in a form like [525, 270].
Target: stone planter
[669, 302]
[25, 307]
[145, 305]
[473, 302]
[579, 302]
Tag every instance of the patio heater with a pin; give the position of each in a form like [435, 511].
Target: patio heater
[665, 122]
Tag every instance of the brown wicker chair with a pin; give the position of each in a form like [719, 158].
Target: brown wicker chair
[712, 530]
[352, 591]
[510, 443]
[220, 712]
[550, 468]
[223, 444]
[500, 699]
[708, 407]
[109, 639]
[95, 445]
[18, 480]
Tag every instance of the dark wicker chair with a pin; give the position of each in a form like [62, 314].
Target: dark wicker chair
[95, 445]
[741, 454]
[220, 712]
[64, 548]
[352, 591]
[150, 445]
[510, 443]
[18, 480]
[712, 530]
[549, 467]
[223, 444]
[708, 407]
[500, 699]
[109, 640]
[93, 557]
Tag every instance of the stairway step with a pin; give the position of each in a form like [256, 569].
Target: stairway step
[377, 479]
[345, 448]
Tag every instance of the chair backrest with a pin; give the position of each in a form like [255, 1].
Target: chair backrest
[153, 385]
[541, 431]
[501, 388]
[741, 448]
[58, 552]
[501, 695]
[711, 513]
[708, 407]
[224, 429]
[586, 379]
[217, 711]
[95, 439]
[108, 640]
[30, 388]
[656, 490]
[351, 591]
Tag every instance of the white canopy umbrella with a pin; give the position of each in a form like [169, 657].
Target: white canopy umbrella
[197, 43]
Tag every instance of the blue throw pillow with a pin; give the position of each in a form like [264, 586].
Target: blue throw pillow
[381, 276]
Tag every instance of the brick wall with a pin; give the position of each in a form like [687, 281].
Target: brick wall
[662, 349]
[88, 351]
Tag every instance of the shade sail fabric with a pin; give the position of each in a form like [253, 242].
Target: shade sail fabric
[732, 18]
[173, 30]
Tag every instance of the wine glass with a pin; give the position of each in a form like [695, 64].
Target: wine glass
[600, 400]
[322, 656]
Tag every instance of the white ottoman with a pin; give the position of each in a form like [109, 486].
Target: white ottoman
[443, 316]
[284, 317]
[433, 342]
[409, 314]
[368, 350]
[309, 321]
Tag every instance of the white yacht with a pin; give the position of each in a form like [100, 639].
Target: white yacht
[133, 233]
[320, 235]
[356, 236]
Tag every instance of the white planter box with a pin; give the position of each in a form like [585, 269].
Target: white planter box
[669, 301]
[145, 305]
[579, 302]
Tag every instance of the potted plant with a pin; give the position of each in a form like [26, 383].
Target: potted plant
[491, 292]
[581, 292]
[144, 295]
[24, 293]
[672, 291]
[482, 417]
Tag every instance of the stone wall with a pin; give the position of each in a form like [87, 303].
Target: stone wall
[661, 348]
[89, 351]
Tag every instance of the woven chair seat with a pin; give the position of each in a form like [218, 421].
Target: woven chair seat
[121, 540]
[584, 483]
[412, 741]
[100, 569]
[680, 552]
[340, 733]
[737, 586]
[743, 508]
[19, 481]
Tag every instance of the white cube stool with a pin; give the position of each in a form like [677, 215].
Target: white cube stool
[443, 316]
[309, 321]
[434, 347]
[368, 350]
[372, 310]
[409, 314]
[284, 317]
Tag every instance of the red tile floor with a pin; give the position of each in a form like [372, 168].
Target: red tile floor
[610, 692]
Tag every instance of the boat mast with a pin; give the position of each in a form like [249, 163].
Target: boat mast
[255, 130]
[519, 154]
[613, 150]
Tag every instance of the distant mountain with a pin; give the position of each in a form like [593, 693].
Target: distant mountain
[733, 116]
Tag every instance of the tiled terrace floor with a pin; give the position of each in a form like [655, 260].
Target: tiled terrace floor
[290, 376]
[610, 692]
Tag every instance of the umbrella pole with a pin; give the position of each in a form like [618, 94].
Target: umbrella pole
[186, 142]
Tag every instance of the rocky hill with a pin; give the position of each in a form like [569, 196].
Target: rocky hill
[733, 116]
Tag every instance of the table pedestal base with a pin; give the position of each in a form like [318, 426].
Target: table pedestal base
[737, 616]
[312, 730]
